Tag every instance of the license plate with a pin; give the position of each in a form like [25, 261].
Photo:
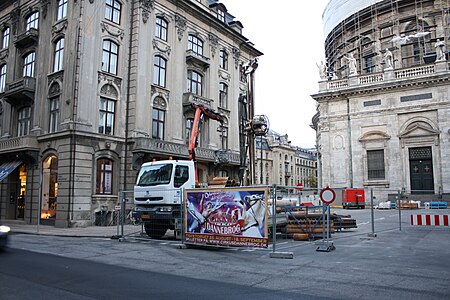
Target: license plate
[145, 216]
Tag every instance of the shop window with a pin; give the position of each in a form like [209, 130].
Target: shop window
[104, 179]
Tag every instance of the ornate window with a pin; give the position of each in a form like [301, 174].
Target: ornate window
[161, 28]
[23, 121]
[5, 38]
[113, 10]
[223, 95]
[59, 55]
[375, 164]
[62, 9]
[32, 21]
[188, 126]
[110, 56]
[159, 71]
[104, 181]
[195, 82]
[223, 59]
[28, 64]
[106, 116]
[195, 44]
[3, 69]
[54, 114]
[224, 136]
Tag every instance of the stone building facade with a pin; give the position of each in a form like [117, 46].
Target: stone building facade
[89, 90]
[383, 119]
[284, 164]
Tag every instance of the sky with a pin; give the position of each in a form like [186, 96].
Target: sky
[287, 73]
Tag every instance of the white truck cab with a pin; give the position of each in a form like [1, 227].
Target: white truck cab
[157, 193]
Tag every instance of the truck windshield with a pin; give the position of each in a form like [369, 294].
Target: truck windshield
[155, 175]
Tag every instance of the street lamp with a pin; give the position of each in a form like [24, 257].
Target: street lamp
[260, 127]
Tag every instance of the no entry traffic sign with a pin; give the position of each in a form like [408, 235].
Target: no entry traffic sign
[327, 195]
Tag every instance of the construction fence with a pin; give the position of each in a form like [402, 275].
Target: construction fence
[258, 217]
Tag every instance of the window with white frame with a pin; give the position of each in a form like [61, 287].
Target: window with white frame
[5, 38]
[375, 165]
[159, 71]
[23, 121]
[161, 28]
[28, 64]
[223, 60]
[62, 10]
[223, 95]
[106, 116]
[195, 82]
[32, 21]
[221, 14]
[113, 11]
[59, 55]
[110, 56]
[195, 44]
[104, 181]
[3, 69]
[54, 114]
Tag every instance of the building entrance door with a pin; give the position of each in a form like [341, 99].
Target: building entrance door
[421, 170]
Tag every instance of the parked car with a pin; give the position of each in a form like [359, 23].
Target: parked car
[4, 232]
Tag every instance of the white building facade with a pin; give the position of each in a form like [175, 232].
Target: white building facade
[383, 119]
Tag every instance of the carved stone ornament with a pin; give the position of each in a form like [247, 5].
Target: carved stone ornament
[161, 47]
[54, 90]
[225, 76]
[214, 42]
[109, 91]
[180, 24]
[44, 7]
[4, 54]
[146, 6]
[117, 32]
[59, 27]
[102, 77]
[236, 55]
[159, 102]
[15, 16]
[160, 91]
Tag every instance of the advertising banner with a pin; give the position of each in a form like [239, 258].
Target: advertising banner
[234, 217]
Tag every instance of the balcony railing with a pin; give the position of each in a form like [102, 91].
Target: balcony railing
[197, 59]
[377, 78]
[18, 144]
[148, 145]
[20, 90]
[29, 37]
[189, 98]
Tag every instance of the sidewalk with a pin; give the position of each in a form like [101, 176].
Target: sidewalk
[90, 231]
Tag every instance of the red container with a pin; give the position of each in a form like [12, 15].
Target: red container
[353, 198]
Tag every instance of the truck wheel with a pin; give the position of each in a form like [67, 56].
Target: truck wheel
[155, 231]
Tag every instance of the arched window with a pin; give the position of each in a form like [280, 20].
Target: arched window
[32, 21]
[158, 118]
[106, 116]
[159, 71]
[195, 44]
[223, 95]
[113, 10]
[59, 55]
[161, 28]
[3, 69]
[5, 38]
[62, 9]
[195, 82]
[49, 187]
[104, 180]
[110, 56]
[28, 64]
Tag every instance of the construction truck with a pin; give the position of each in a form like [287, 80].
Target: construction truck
[157, 193]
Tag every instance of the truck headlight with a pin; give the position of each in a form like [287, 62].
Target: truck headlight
[165, 209]
[5, 229]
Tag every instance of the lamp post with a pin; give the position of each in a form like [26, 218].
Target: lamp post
[260, 127]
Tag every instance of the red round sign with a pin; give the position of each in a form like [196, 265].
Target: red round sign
[299, 186]
[327, 195]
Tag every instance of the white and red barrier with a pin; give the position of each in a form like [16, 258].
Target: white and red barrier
[430, 220]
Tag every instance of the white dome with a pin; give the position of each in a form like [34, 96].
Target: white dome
[337, 11]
